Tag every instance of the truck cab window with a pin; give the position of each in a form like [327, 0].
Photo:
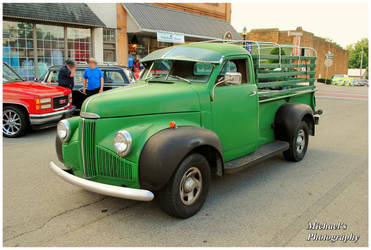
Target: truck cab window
[236, 65]
[53, 77]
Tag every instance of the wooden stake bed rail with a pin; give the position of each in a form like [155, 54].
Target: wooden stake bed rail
[279, 73]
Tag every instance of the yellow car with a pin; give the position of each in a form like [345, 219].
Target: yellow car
[341, 80]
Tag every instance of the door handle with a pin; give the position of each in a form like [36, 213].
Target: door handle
[253, 93]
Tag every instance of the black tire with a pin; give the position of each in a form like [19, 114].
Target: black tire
[171, 200]
[20, 124]
[296, 153]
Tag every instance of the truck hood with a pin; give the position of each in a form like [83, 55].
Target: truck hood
[143, 99]
[34, 88]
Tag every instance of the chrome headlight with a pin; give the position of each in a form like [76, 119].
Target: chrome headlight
[122, 142]
[63, 130]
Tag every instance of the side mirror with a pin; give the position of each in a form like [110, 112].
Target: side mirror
[233, 78]
[35, 79]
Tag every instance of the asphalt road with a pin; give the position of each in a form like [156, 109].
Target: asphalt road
[269, 204]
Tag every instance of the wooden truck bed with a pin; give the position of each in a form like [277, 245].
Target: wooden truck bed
[281, 78]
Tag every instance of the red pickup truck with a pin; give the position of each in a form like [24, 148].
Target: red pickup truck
[30, 104]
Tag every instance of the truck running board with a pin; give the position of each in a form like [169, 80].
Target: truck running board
[264, 152]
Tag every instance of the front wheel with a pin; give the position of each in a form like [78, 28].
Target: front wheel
[298, 143]
[187, 190]
[14, 122]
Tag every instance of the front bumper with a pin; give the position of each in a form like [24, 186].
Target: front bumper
[50, 118]
[110, 190]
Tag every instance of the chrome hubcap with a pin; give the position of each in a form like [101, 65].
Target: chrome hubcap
[190, 186]
[300, 141]
[11, 122]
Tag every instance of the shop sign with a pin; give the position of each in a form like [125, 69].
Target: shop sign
[328, 62]
[170, 37]
[329, 55]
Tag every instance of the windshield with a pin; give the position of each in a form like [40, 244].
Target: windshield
[174, 70]
[9, 75]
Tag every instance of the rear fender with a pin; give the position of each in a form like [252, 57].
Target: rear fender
[288, 118]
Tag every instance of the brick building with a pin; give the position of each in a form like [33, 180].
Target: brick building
[307, 39]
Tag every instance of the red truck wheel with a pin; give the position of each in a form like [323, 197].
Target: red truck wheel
[15, 122]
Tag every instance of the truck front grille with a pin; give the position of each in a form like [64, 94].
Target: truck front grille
[60, 102]
[112, 165]
[99, 161]
[88, 140]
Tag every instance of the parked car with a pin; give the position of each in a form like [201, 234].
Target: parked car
[360, 82]
[196, 110]
[30, 104]
[114, 76]
[341, 80]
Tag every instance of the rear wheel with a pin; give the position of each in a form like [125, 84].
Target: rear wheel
[298, 143]
[15, 122]
[187, 190]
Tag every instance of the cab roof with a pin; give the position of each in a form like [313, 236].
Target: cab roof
[209, 52]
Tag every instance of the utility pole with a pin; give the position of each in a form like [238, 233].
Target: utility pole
[360, 71]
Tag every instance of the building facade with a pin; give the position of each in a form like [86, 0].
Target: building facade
[358, 73]
[147, 27]
[307, 39]
[35, 38]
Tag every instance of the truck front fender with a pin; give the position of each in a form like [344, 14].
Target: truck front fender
[289, 116]
[163, 152]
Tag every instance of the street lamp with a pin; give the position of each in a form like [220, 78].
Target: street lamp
[244, 32]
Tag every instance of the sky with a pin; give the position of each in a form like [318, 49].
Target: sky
[345, 23]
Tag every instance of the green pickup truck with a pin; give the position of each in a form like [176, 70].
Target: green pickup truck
[199, 109]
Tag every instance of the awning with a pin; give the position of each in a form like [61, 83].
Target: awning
[152, 18]
[66, 13]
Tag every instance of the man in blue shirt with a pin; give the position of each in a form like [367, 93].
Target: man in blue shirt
[93, 76]
[130, 61]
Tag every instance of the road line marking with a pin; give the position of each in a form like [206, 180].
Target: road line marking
[339, 93]
[343, 98]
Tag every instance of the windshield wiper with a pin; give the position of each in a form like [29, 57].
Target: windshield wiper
[179, 77]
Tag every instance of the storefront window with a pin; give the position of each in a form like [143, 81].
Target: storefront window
[79, 44]
[18, 47]
[50, 46]
[109, 45]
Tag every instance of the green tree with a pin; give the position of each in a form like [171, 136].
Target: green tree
[276, 51]
[355, 52]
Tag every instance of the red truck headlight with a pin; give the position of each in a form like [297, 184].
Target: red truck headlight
[43, 103]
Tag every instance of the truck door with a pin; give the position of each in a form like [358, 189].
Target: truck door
[235, 112]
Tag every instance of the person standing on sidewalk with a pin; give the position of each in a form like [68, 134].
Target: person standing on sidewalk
[66, 74]
[93, 79]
